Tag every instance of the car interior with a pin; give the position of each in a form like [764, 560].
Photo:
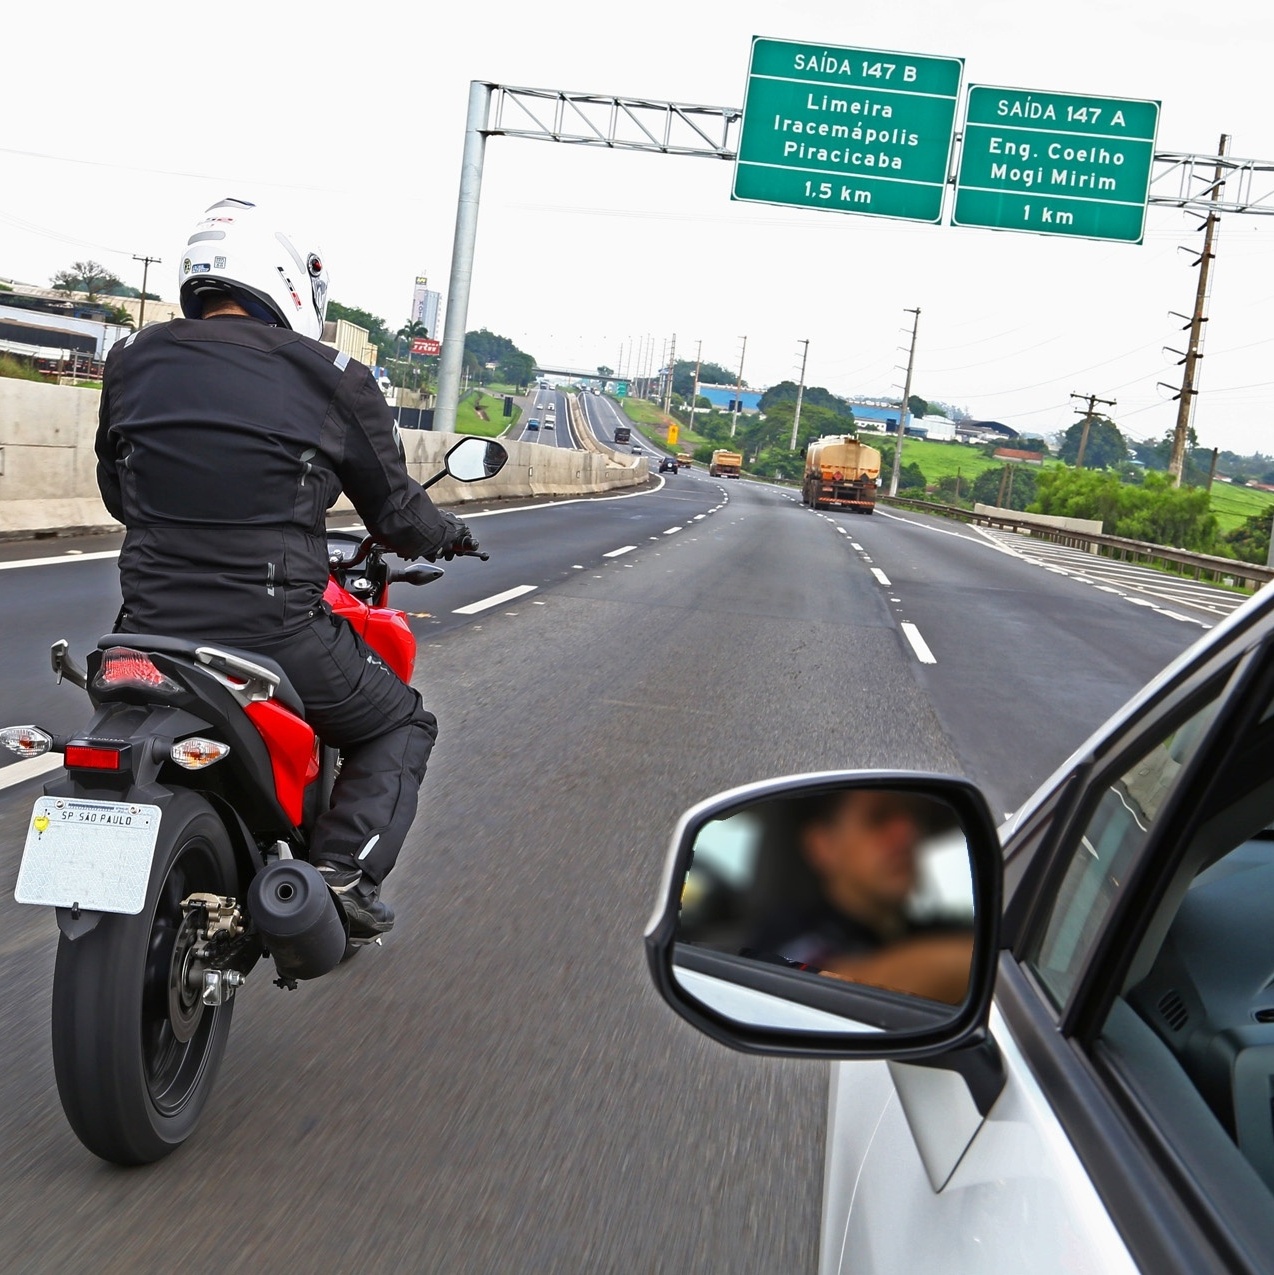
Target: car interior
[1195, 1021]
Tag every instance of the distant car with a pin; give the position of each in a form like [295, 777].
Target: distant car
[549, 425]
[668, 465]
[532, 424]
[636, 449]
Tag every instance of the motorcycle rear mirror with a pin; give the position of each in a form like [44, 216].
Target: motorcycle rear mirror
[473, 459]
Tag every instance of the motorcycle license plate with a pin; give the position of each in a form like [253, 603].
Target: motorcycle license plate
[96, 854]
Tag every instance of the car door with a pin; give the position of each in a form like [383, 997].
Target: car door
[1104, 1151]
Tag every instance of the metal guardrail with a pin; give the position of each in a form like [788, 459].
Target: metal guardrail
[1247, 574]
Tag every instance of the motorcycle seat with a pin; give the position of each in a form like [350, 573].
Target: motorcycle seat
[160, 644]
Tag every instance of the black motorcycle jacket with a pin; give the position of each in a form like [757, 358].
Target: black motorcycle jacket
[221, 444]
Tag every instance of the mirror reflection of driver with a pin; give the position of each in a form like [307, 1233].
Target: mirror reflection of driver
[861, 848]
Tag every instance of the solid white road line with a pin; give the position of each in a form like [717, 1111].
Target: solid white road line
[21, 771]
[918, 644]
[881, 576]
[53, 562]
[619, 553]
[507, 596]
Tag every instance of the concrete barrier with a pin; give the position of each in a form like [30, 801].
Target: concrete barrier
[1085, 526]
[48, 472]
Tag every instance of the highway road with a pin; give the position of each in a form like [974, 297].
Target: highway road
[498, 1088]
[603, 414]
[545, 406]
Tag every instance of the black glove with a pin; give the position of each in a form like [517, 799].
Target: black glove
[458, 540]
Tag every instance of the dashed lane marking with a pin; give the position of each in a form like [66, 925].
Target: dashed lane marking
[58, 562]
[496, 599]
[918, 644]
[20, 771]
[619, 553]
[882, 577]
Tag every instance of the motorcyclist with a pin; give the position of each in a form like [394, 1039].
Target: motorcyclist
[223, 439]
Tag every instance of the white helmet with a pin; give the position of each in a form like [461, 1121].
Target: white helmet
[234, 251]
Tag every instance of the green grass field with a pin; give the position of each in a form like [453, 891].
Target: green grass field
[469, 422]
[1233, 505]
[655, 425]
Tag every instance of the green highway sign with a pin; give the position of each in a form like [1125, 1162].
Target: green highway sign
[847, 130]
[1056, 163]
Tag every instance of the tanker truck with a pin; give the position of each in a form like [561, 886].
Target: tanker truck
[725, 464]
[840, 473]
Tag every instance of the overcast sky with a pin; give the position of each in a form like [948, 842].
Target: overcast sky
[124, 121]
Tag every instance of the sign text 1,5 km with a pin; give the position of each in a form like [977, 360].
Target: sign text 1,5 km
[1056, 163]
[849, 130]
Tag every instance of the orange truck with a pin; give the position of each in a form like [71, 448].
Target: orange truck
[725, 464]
[841, 473]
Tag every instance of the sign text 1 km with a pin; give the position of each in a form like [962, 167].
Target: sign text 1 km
[1056, 163]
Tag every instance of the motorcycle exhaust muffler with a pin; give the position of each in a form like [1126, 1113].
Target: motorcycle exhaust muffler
[298, 918]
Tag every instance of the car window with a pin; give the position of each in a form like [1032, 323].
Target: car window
[1107, 843]
[1192, 1028]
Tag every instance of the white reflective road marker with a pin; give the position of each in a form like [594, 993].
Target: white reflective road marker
[881, 576]
[53, 562]
[20, 771]
[918, 644]
[507, 596]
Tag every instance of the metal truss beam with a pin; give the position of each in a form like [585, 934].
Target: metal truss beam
[615, 122]
[1180, 180]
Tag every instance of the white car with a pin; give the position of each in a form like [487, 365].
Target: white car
[1072, 1027]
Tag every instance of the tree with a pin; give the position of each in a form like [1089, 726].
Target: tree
[911, 478]
[377, 333]
[1106, 447]
[683, 375]
[516, 368]
[1251, 541]
[1155, 511]
[815, 396]
[917, 406]
[1019, 492]
[87, 276]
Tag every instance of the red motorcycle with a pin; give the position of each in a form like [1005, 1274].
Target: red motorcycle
[173, 848]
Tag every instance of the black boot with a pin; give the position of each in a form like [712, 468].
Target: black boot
[359, 896]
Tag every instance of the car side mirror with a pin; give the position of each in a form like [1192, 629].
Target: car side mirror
[842, 915]
[473, 459]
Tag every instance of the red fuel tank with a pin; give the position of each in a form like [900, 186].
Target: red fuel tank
[384, 629]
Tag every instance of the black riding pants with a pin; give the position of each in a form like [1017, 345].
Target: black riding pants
[358, 704]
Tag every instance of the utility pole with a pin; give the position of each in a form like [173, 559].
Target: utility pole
[1185, 402]
[800, 394]
[1088, 420]
[147, 262]
[906, 394]
[694, 388]
[451, 364]
[672, 363]
[738, 389]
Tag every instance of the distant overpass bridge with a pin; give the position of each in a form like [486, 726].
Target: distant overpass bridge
[575, 373]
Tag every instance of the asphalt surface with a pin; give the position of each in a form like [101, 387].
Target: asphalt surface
[536, 407]
[499, 1088]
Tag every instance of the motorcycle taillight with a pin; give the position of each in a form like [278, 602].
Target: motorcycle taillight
[91, 757]
[124, 667]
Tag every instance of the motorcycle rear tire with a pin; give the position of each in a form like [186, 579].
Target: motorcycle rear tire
[135, 1052]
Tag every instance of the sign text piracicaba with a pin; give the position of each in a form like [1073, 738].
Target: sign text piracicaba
[849, 130]
[1056, 163]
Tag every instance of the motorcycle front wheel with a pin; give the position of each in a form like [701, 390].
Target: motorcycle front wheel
[135, 1050]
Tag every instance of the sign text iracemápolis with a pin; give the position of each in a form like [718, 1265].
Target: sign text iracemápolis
[853, 130]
